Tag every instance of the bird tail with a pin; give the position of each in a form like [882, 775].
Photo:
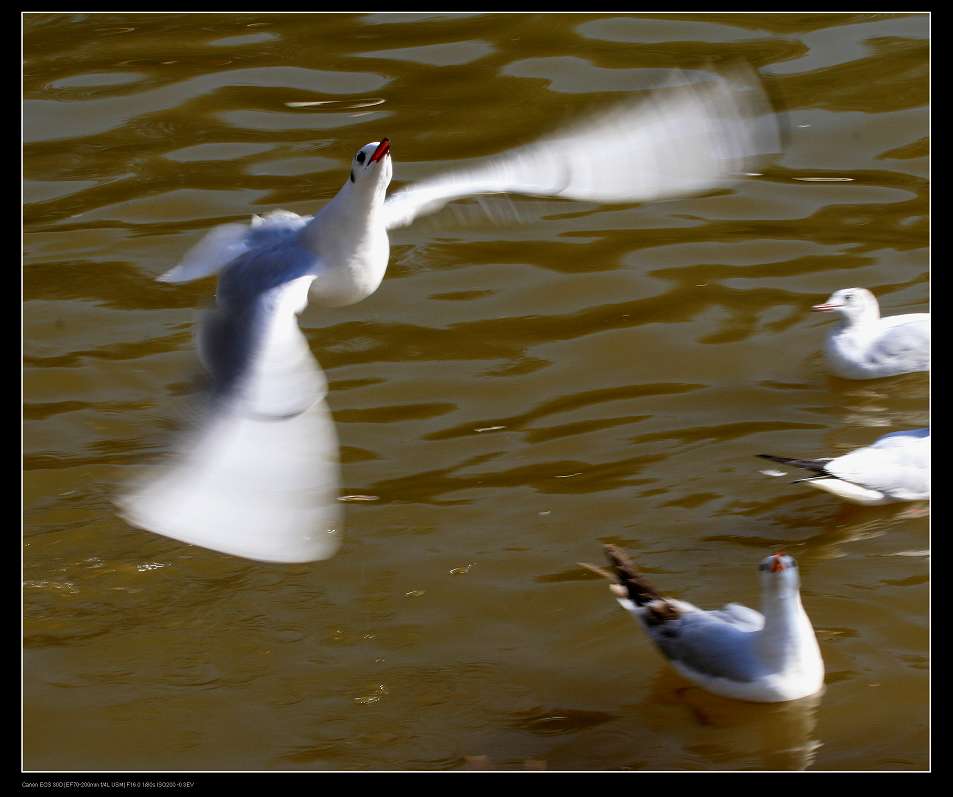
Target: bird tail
[816, 466]
[639, 590]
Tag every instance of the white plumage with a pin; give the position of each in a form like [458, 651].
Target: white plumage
[866, 346]
[736, 652]
[258, 476]
[894, 468]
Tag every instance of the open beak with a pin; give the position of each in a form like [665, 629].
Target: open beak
[382, 149]
[827, 306]
[777, 565]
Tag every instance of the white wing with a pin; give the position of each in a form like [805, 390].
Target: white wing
[228, 242]
[904, 343]
[678, 141]
[741, 616]
[259, 476]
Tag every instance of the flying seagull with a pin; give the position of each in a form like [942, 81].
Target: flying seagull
[242, 482]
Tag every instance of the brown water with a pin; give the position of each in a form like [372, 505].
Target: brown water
[513, 397]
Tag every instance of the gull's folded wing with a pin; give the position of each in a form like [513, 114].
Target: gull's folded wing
[675, 142]
[905, 342]
[716, 644]
[897, 466]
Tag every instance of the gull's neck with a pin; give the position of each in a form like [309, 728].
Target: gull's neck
[353, 210]
[786, 629]
[349, 238]
[866, 317]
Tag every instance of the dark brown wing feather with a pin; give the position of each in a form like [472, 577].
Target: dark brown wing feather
[640, 591]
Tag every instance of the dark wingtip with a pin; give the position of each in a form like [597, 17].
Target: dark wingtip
[640, 591]
[813, 465]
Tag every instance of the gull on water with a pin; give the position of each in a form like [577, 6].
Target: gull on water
[894, 468]
[242, 482]
[762, 657]
[866, 346]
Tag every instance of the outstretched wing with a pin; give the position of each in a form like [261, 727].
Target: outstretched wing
[258, 476]
[678, 141]
[228, 242]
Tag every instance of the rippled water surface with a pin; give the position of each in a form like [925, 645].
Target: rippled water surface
[511, 398]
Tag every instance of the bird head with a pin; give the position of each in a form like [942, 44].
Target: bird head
[779, 572]
[371, 168]
[854, 304]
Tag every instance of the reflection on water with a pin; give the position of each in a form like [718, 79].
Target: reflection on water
[512, 396]
[779, 736]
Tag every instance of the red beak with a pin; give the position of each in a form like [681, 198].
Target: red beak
[777, 565]
[382, 149]
[823, 308]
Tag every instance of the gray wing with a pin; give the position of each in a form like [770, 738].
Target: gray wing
[258, 476]
[677, 142]
[740, 616]
[228, 242]
[250, 341]
[719, 644]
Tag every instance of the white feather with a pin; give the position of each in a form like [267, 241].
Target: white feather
[673, 143]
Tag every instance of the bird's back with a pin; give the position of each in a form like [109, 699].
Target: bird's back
[886, 347]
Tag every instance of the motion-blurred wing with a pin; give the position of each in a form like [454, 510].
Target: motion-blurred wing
[258, 477]
[676, 142]
[228, 242]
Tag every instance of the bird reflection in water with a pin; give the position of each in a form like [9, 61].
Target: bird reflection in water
[776, 736]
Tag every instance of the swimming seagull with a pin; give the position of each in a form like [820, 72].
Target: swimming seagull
[894, 468]
[734, 651]
[866, 346]
[257, 477]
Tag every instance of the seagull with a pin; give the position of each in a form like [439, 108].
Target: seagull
[256, 476]
[894, 468]
[676, 142]
[734, 651]
[866, 346]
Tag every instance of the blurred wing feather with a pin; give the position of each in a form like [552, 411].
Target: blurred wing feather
[676, 142]
[228, 242]
[258, 477]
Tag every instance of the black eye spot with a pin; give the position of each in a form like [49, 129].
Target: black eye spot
[848, 297]
[360, 157]
[352, 175]
[762, 567]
